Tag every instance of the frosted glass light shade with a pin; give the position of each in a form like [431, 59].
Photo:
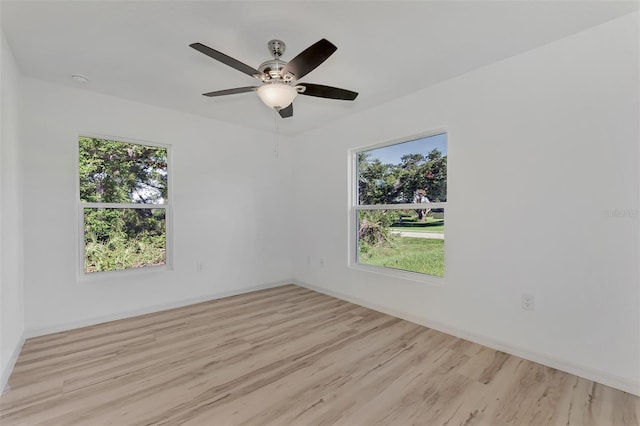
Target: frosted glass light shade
[277, 95]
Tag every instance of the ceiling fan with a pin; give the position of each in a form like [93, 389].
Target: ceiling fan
[279, 78]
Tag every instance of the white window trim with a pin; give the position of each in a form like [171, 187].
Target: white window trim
[81, 275]
[354, 208]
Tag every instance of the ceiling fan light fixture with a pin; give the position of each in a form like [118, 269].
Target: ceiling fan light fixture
[279, 78]
[277, 95]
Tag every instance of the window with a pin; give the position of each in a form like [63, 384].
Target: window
[124, 204]
[400, 194]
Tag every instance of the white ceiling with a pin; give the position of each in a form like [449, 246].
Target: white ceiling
[139, 50]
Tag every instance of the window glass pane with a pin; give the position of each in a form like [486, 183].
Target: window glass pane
[117, 239]
[408, 172]
[409, 240]
[121, 172]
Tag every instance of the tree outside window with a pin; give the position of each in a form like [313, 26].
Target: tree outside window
[123, 201]
[401, 196]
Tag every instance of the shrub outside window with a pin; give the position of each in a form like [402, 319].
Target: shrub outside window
[124, 204]
[399, 204]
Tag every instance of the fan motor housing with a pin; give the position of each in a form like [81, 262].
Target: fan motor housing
[272, 67]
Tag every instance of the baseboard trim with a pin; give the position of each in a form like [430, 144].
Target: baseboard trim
[6, 373]
[42, 331]
[588, 373]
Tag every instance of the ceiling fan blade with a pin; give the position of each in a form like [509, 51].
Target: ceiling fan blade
[286, 112]
[309, 59]
[227, 60]
[231, 91]
[327, 92]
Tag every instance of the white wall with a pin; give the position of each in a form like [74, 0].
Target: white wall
[540, 146]
[11, 285]
[228, 193]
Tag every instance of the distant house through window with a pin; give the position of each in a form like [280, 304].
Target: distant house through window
[399, 205]
[124, 204]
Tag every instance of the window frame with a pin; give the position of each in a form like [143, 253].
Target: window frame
[354, 208]
[167, 207]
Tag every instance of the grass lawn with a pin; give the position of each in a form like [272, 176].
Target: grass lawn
[436, 229]
[429, 225]
[410, 254]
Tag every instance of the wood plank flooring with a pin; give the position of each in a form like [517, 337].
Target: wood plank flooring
[290, 356]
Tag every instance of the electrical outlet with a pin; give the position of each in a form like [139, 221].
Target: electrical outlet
[322, 263]
[528, 302]
[200, 267]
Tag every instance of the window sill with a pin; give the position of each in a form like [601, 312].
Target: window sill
[122, 273]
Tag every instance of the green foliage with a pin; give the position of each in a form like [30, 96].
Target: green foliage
[377, 182]
[423, 176]
[120, 252]
[408, 254]
[105, 223]
[123, 238]
[374, 227]
[120, 172]
[416, 176]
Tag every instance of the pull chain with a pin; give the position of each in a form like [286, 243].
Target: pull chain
[276, 144]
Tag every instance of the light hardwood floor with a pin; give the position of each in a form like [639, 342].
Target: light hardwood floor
[290, 356]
